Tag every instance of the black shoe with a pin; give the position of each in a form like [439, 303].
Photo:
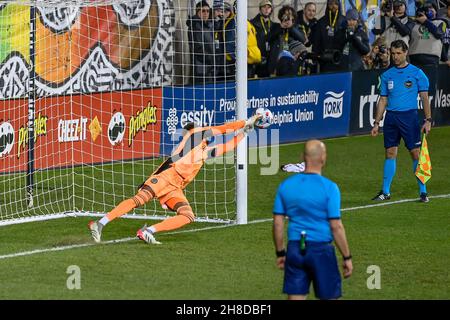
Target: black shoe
[381, 196]
[424, 197]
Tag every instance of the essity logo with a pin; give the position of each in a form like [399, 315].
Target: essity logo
[333, 104]
[172, 121]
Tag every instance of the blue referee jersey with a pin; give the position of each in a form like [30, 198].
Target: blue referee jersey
[401, 86]
[309, 200]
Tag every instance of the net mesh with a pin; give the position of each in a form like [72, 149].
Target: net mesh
[112, 87]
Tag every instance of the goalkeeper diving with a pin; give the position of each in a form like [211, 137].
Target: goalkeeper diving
[168, 181]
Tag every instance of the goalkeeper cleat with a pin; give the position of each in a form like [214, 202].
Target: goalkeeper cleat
[424, 197]
[147, 236]
[381, 196]
[96, 231]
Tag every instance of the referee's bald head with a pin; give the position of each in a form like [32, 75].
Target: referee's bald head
[315, 153]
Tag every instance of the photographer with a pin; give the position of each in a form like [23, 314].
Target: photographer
[282, 35]
[379, 56]
[426, 37]
[324, 33]
[353, 42]
[445, 56]
[201, 44]
[224, 40]
[291, 62]
[393, 23]
[306, 19]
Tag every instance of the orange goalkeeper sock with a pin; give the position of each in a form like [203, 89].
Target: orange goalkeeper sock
[171, 223]
[123, 208]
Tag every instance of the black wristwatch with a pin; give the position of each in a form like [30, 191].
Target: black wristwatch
[281, 253]
[377, 123]
[347, 258]
[430, 120]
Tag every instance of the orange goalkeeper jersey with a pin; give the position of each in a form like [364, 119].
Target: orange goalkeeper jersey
[192, 152]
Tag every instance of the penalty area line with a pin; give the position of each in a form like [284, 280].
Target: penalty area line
[84, 245]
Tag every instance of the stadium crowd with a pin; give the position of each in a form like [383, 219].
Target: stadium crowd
[300, 43]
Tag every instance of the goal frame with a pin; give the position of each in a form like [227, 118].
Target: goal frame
[241, 113]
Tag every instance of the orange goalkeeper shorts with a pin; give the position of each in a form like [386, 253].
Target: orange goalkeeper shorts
[167, 188]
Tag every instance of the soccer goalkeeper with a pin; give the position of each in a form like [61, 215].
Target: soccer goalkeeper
[168, 181]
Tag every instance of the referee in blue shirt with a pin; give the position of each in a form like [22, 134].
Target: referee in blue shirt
[312, 204]
[400, 86]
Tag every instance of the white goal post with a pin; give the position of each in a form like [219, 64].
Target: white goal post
[93, 97]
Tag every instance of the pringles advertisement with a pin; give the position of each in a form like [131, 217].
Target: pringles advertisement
[95, 67]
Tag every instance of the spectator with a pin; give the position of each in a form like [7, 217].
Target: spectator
[225, 40]
[393, 23]
[263, 25]
[201, 43]
[353, 42]
[325, 32]
[379, 56]
[426, 37]
[282, 35]
[306, 19]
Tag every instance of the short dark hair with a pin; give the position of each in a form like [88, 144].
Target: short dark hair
[399, 44]
[310, 4]
[286, 11]
[202, 4]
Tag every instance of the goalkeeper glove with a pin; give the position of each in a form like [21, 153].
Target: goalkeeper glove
[250, 123]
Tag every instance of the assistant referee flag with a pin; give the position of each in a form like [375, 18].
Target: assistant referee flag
[423, 170]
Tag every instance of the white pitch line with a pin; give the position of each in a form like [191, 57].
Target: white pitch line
[83, 245]
[393, 202]
[368, 206]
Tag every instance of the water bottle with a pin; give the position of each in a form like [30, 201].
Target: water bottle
[303, 243]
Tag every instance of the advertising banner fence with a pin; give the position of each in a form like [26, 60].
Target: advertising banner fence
[365, 94]
[303, 107]
[82, 129]
[136, 124]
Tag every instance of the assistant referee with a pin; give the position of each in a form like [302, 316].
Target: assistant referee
[312, 204]
[399, 88]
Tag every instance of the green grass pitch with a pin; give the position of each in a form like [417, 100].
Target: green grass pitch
[408, 241]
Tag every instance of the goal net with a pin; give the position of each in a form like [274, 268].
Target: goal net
[93, 96]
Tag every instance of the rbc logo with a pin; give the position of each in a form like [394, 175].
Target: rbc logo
[333, 104]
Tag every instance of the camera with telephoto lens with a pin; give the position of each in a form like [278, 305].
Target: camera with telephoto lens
[387, 6]
[285, 18]
[378, 57]
[329, 56]
[426, 11]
